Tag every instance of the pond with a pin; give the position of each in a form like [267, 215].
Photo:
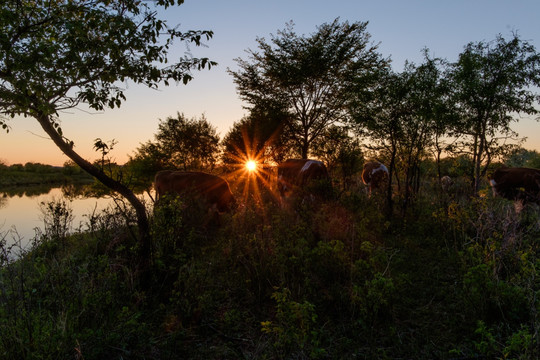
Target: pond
[21, 210]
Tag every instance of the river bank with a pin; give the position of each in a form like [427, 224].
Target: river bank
[32, 174]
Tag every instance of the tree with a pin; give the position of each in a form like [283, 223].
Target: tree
[379, 120]
[187, 144]
[180, 143]
[403, 119]
[310, 77]
[424, 120]
[259, 136]
[55, 55]
[520, 157]
[491, 82]
[341, 152]
[146, 162]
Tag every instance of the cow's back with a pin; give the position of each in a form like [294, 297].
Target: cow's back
[517, 184]
[299, 174]
[374, 174]
[212, 188]
[313, 170]
[288, 170]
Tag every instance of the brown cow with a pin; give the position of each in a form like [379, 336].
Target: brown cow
[213, 189]
[517, 184]
[374, 175]
[446, 183]
[298, 174]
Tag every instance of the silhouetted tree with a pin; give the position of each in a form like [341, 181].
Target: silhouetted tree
[379, 121]
[424, 120]
[180, 143]
[403, 120]
[521, 157]
[491, 82]
[259, 135]
[187, 144]
[146, 161]
[311, 77]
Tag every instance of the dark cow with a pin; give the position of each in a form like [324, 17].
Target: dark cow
[375, 176]
[297, 174]
[517, 184]
[446, 183]
[213, 189]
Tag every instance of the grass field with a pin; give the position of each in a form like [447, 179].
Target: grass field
[452, 278]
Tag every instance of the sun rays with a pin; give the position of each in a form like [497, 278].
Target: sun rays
[252, 176]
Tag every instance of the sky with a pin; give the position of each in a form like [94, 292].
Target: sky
[402, 28]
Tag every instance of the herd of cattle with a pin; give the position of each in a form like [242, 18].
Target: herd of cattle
[294, 175]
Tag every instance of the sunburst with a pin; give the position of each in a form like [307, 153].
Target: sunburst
[251, 165]
[252, 174]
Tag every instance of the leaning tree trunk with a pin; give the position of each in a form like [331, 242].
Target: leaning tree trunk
[142, 218]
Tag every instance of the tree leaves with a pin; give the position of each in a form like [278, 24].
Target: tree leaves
[182, 143]
[311, 76]
[490, 81]
[61, 53]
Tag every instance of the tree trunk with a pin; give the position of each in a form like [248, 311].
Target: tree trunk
[480, 153]
[305, 149]
[391, 168]
[475, 160]
[438, 162]
[142, 218]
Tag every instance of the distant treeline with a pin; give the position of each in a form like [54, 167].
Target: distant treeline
[38, 174]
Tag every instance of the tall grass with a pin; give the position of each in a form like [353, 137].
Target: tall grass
[335, 278]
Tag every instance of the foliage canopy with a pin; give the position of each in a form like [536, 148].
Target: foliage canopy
[491, 82]
[181, 143]
[56, 54]
[311, 77]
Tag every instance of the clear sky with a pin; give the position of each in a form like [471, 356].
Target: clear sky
[401, 27]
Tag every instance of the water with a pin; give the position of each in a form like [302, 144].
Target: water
[21, 213]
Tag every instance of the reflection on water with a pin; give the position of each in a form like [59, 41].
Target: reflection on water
[68, 190]
[20, 191]
[21, 217]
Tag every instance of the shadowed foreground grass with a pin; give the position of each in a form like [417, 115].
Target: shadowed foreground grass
[314, 281]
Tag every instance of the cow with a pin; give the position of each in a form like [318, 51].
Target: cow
[211, 188]
[296, 175]
[446, 183]
[375, 176]
[516, 184]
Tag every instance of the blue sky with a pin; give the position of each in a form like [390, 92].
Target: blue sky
[401, 28]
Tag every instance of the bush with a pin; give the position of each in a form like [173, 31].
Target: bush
[332, 278]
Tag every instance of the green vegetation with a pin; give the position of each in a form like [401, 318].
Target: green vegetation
[454, 278]
[39, 174]
[413, 273]
[181, 143]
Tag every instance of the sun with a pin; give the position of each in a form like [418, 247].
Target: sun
[251, 165]
[253, 173]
